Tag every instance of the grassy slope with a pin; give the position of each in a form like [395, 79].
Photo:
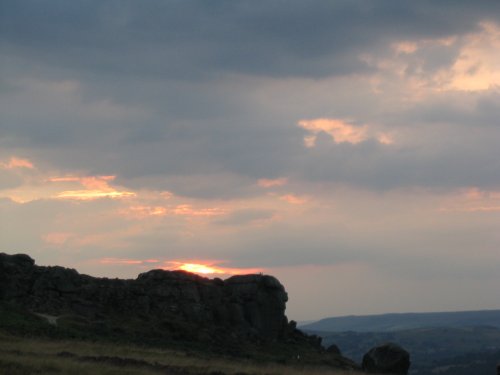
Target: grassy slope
[23, 355]
[30, 345]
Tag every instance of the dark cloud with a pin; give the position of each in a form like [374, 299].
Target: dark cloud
[193, 39]
[168, 90]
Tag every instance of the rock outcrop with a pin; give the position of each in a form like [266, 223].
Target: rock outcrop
[247, 305]
[241, 316]
[387, 359]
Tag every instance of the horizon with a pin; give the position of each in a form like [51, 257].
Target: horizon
[348, 148]
[226, 276]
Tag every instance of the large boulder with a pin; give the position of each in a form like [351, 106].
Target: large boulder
[387, 359]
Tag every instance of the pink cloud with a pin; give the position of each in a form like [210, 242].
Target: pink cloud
[267, 183]
[56, 238]
[15, 162]
[294, 199]
[472, 200]
[340, 131]
[188, 210]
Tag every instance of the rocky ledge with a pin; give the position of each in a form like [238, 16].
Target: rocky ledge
[251, 305]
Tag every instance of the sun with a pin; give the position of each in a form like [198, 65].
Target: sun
[199, 268]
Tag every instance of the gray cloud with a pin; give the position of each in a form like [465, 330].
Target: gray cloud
[172, 89]
[192, 39]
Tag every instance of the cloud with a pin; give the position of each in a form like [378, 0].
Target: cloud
[188, 210]
[472, 200]
[339, 130]
[15, 162]
[478, 66]
[96, 187]
[294, 199]
[267, 183]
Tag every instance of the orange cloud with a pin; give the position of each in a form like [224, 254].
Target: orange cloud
[267, 183]
[188, 210]
[294, 199]
[141, 212]
[96, 187]
[472, 200]
[56, 238]
[478, 65]
[166, 194]
[15, 162]
[339, 130]
[86, 195]
[405, 47]
[146, 211]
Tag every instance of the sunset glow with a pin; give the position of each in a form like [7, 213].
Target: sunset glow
[97, 187]
[93, 194]
[199, 268]
[210, 268]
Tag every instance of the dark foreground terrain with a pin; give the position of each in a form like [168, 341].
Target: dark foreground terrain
[26, 356]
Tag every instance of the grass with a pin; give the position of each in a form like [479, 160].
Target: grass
[30, 345]
[28, 355]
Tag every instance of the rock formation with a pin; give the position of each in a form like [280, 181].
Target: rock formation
[248, 305]
[242, 315]
[387, 359]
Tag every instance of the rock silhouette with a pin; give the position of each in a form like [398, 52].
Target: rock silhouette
[387, 359]
[249, 305]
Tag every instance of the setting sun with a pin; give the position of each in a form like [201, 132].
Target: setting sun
[208, 268]
[199, 268]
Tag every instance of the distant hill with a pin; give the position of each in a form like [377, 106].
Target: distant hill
[406, 321]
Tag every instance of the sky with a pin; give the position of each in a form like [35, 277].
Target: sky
[350, 147]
